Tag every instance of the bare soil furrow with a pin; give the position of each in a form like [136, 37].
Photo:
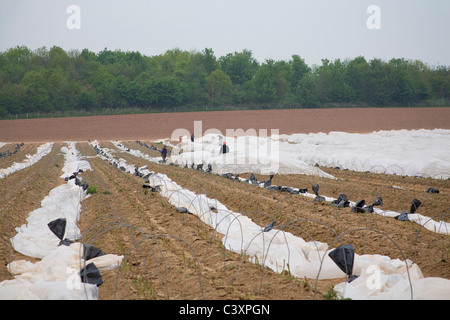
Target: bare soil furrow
[322, 222]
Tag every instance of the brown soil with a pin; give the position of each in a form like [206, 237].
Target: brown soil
[161, 125]
[169, 255]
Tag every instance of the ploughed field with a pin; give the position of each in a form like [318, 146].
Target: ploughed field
[161, 125]
[173, 255]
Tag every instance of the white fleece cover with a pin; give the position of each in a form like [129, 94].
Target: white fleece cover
[55, 276]
[278, 249]
[41, 152]
[211, 143]
[380, 277]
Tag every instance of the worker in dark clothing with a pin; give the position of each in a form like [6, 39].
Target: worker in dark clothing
[192, 137]
[164, 153]
[224, 149]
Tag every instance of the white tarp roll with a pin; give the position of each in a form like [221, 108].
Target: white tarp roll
[42, 151]
[56, 275]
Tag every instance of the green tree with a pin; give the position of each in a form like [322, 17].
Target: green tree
[401, 82]
[357, 77]
[299, 69]
[240, 66]
[165, 92]
[195, 79]
[58, 58]
[209, 60]
[13, 98]
[102, 82]
[36, 82]
[218, 84]
[265, 82]
[307, 91]
[379, 88]
[87, 100]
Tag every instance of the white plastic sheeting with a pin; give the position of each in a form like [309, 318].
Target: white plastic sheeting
[260, 155]
[63, 201]
[402, 152]
[379, 277]
[388, 280]
[107, 155]
[136, 153]
[428, 223]
[280, 250]
[56, 275]
[42, 151]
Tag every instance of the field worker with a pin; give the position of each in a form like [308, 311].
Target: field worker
[164, 153]
[192, 137]
[224, 149]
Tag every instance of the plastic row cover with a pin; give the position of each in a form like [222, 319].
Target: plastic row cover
[276, 249]
[68, 270]
[208, 145]
[42, 151]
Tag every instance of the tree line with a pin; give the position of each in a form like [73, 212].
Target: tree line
[55, 80]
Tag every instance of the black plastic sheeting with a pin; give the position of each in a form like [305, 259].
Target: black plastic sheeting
[90, 252]
[360, 206]
[414, 206]
[344, 257]
[182, 210]
[432, 190]
[341, 201]
[90, 274]
[58, 227]
[270, 226]
[318, 198]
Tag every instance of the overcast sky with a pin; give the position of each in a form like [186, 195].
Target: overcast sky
[313, 29]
